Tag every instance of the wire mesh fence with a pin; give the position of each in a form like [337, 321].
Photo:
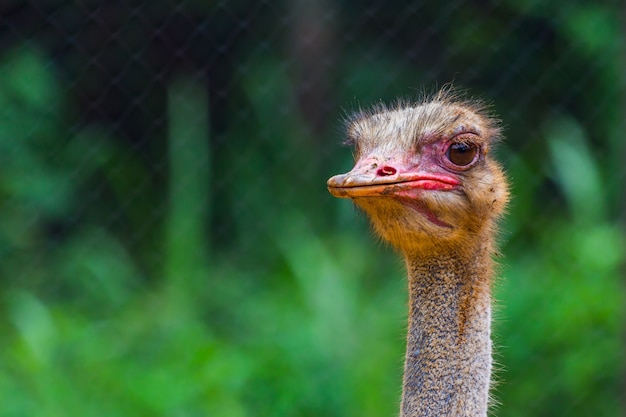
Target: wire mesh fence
[168, 244]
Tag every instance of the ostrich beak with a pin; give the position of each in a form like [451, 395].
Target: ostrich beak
[370, 180]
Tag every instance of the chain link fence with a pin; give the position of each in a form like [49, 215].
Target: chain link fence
[168, 244]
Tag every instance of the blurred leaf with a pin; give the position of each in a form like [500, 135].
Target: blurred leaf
[593, 28]
[27, 79]
[186, 245]
[576, 170]
[34, 324]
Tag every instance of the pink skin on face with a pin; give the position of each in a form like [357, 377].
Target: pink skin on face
[374, 175]
[404, 180]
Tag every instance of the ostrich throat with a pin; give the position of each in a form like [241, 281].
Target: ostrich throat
[448, 357]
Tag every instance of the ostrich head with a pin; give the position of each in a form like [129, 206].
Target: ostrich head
[424, 174]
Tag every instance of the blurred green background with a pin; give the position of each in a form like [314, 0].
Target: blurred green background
[167, 243]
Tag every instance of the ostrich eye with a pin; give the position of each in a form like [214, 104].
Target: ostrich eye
[461, 153]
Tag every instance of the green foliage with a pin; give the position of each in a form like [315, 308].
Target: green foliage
[116, 302]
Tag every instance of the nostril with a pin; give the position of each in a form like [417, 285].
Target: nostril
[385, 171]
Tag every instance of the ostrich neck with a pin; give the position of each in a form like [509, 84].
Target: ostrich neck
[448, 357]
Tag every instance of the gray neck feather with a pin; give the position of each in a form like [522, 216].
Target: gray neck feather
[448, 358]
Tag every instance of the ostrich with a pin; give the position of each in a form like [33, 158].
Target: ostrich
[425, 177]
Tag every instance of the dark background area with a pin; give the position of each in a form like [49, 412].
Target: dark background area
[169, 247]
